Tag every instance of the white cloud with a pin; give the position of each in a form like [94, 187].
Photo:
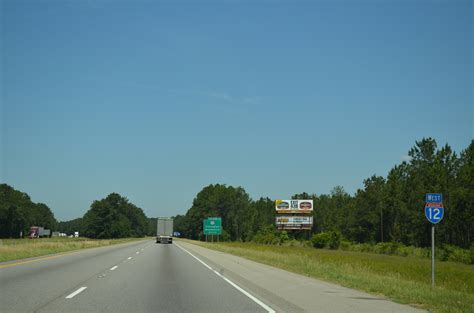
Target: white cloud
[210, 94]
[253, 100]
[219, 95]
[406, 158]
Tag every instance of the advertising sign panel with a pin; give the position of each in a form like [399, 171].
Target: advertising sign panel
[294, 222]
[294, 206]
[294, 219]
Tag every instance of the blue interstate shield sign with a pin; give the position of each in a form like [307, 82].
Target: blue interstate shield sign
[434, 214]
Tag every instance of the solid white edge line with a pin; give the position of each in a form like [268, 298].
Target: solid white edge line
[114, 267]
[75, 293]
[260, 303]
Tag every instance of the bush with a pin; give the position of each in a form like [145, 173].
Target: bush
[320, 240]
[386, 247]
[225, 236]
[345, 245]
[335, 240]
[284, 237]
[460, 255]
[268, 239]
[293, 243]
[331, 240]
[421, 252]
[361, 247]
[454, 254]
[266, 235]
[405, 250]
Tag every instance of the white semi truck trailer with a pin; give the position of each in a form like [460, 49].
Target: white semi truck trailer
[164, 230]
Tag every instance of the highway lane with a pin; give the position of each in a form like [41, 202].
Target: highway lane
[26, 287]
[138, 277]
[182, 277]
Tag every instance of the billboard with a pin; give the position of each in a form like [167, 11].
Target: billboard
[294, 222]
[294, 206]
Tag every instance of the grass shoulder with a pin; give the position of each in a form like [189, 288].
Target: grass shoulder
[16, 249]
[401, 279]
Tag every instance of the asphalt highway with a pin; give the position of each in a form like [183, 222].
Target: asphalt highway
[179, 277]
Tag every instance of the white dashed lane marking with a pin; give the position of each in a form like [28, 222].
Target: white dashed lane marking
[75, 293]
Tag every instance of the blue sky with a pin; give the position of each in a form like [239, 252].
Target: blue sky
[157, 99]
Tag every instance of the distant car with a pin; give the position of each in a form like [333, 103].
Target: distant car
[38, 231]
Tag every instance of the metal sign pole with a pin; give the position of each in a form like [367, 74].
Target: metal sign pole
[432, 256]
[434, 212]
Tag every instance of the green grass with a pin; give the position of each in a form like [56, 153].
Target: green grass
[15, 249]
[402, 279]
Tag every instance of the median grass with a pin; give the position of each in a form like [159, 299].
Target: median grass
[402, 279]
[15, 249]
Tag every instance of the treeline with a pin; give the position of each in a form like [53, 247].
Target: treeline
[241, 217]
[18, 213]
[111, 217]
[386, 209]
[69, 227]
[114, 217]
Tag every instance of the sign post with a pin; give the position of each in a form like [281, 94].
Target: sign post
[434, 212]
[432, 256]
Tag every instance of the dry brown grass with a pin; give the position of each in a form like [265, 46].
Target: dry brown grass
[15, 249]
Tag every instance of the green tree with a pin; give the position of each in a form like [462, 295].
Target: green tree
[232, 204]
[41, 215]
[114, 217]
[182, 225]
[460, 211]
[366, 218]
[151, 228]
[396, 211]
[18, 213]
[331, 212]
[69, 227]
[264, 209]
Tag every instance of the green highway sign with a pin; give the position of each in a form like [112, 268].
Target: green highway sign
[212, 226]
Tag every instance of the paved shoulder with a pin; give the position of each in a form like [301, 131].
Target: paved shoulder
[290, 292]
